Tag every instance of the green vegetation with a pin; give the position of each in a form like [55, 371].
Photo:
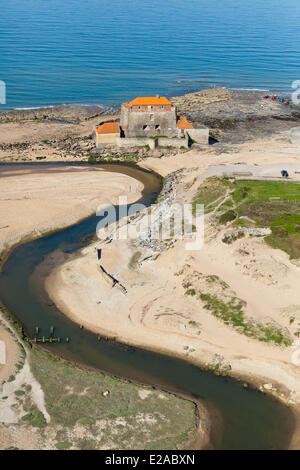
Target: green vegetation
[281, 215]
[210, 192]
[74, 397]
[147, 146]
[158, 199]
[264, 190]
[231, 312]
[87, 420]
[227, 216]
[122, 158]
[228, 239]
[35, 418]
[266, 203]
[223, 303]
[159, 137]
[63, 445]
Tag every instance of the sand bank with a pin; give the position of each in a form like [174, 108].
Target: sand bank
[34, 203]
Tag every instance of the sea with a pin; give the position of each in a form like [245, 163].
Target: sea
[104, 52]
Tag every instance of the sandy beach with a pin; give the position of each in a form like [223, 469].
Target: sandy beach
[36, 202]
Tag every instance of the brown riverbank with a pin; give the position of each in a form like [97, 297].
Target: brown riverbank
[34, 202]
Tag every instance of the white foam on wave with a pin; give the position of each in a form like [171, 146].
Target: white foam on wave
[250, 89]
[34, 107]
[100, 105]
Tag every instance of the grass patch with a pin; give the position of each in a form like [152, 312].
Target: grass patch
[63, 445]
[223, 303]
[210, 191]
[123, 158]
[231, 313]
[281, 215]
[230, 238]
[74, 395]
[269, 204]
[264, 190]
[227, 216]
[227, 204]
[288, 242]
[86, 420]
[35, 418]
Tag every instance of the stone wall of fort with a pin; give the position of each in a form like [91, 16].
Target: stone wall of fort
[199, 135]
[150, 123]
[175, 142]
[152, 143]
[135, 142]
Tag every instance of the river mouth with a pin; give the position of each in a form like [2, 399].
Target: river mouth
[250, 419]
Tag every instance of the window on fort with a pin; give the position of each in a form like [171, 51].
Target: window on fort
[157, 127]
[145, 128]
[151, 117]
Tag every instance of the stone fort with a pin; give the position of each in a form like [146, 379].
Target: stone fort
[151, 121]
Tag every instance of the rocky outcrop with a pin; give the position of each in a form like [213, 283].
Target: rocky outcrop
[234, 116]
[67, 113]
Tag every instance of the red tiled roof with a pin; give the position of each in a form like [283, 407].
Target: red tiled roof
[149, 101]
[183, 123]
[108, 128]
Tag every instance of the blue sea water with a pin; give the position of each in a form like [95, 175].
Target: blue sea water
[107, 51]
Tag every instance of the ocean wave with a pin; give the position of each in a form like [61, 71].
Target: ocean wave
[250, 89]
[59, 105]
[34, 107]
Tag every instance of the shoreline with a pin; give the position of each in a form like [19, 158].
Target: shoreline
[65, 132]
[106, 104]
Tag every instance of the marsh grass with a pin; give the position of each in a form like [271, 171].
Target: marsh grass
[74, 396]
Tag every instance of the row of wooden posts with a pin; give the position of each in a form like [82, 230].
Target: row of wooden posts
[52, 339]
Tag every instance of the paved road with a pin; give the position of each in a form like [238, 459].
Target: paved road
[269, 172]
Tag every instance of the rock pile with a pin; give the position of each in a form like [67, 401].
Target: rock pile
[161, 213]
